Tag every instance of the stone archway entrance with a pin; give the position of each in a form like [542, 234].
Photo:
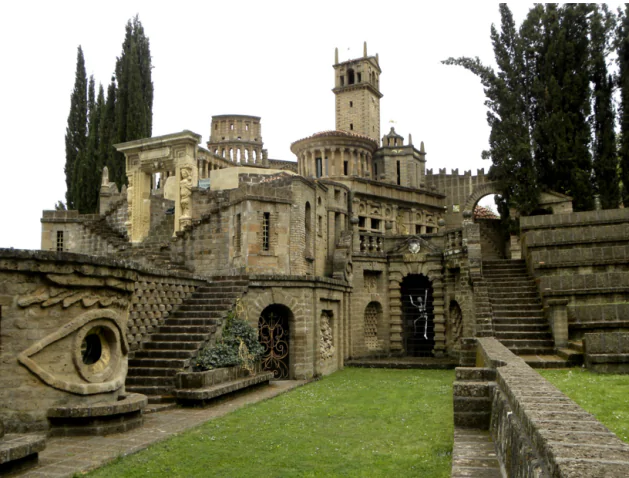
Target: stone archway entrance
[274, 335]
[418, 326]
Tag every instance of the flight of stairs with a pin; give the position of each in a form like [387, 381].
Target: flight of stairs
[518, 317]
[174, 345]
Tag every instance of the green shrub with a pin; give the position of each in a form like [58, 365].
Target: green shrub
[238, 346]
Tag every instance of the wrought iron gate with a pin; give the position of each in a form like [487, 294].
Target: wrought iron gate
[418, 316]
[274, 335]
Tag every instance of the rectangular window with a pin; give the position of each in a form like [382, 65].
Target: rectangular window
[266, 226]
[375, 170]
[399, 179]
[319, 225]
[375, 224]
[418, 229]
[59, 241]
[361, 222]
[345, 167]
[237, 235]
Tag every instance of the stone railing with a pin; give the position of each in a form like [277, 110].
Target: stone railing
[371, 243]
[538, 431]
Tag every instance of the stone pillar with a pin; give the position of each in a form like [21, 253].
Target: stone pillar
[395, 314]
[439, 316]
[343, 162]
[557, 315]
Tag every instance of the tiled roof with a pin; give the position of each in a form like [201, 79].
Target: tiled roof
[481, 212]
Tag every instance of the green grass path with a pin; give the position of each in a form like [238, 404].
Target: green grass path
[356, 422]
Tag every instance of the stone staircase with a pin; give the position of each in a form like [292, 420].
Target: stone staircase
[175, 344]
[518, 317]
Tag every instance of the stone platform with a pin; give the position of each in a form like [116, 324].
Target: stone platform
[19, 451]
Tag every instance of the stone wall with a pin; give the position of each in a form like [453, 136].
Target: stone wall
[582, 258]
[318, 321]
[538, 431]
[607, 352]
[51, 306]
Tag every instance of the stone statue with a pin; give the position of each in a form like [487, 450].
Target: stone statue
[401, 227]
[105, 179]
[185, 191]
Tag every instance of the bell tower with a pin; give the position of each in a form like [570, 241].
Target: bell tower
[357, 91]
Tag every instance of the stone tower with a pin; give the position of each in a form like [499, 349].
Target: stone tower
[357, 90]
[237, 138]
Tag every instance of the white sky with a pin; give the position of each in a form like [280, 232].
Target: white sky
[265, 58]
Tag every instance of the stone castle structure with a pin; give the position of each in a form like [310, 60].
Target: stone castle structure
[351, 250]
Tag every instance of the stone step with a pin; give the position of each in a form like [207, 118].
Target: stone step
[521, 327]
[570, 355]
[533, 343]
[576, 345]
[545, 361]
[532, 350]
[531, 314]
[515, 273]
[520, 321]
[168, 363]
[500, 295]
[150, 390]
[499, 307]
[235, 289]
[187, 307]
[227, 301]
[519, 334]
[152, 372]
[165, 354]
[198, 314]
[142, 381]
[510, 288]
[504, 262]
[197, 321]
[186, 329]
[174, 345]
[160, 337]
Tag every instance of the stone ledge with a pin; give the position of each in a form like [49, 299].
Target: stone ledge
[131, 403]
[16, 446]
[187, 396]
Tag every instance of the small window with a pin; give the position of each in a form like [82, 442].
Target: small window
[375, 170]
[350, 77]
[216, 127]
[361, 222]
[418, 229]
[319, 225]
[358, 75]
[337, 195]
[266, 226]
[375, 224]
[59, 241]
[399, 179]
[231, 126]
[351, 126]
[345, 168]
[246, 126]
[351, 104]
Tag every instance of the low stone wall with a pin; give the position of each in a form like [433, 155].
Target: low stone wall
[607, 352]
[538, 431]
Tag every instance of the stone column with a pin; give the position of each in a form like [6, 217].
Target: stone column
[439, 316]
[343, 162]
[395, 312]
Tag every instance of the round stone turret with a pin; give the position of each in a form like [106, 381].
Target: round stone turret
[238, 138]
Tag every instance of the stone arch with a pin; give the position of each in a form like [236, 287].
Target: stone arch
[297, 324]
[433, 271]
[479, 193]
[274, 333]
[372, 320]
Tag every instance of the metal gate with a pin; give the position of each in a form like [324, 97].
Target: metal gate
[273, 334]
[417, 316]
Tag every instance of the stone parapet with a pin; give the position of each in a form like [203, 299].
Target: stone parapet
[538, 431]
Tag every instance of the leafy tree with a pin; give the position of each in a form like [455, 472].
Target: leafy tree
[76, 131]
[134, 94]
[605, 158]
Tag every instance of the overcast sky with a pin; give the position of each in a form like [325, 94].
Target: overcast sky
[264, 58]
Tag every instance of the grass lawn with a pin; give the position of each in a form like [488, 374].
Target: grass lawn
[356, 422]
[604, 396]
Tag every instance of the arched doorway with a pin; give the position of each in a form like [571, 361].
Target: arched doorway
[417, 316]
[274, 335]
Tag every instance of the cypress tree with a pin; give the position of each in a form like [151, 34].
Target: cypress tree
[89, 164]
[107, 133]
[76, 131]
[134, 94]
[605, 159]
[623, 82]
